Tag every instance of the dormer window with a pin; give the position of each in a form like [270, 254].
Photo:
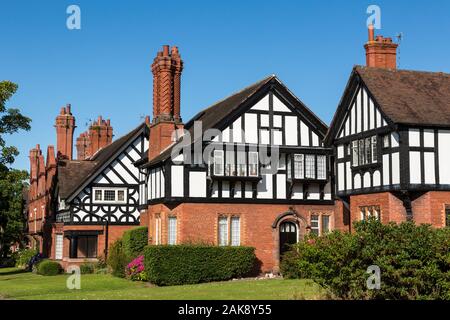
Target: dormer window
[237, 164]
[109, 195]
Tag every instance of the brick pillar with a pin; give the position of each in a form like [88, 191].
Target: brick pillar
[380, 52]
[65, 126]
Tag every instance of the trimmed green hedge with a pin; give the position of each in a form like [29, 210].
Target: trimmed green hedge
[134, 241]
[189, 264]
[49, 268]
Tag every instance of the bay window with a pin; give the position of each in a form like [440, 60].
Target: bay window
[218, 162]
[310, 163]
[298, 166]
[253, 163]
[241, 164]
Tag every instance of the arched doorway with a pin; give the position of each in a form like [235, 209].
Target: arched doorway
[288, 236]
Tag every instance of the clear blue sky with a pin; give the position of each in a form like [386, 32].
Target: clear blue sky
[104, 68]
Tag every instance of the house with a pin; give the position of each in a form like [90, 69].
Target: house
[391, 141]
[257, 168]
[78, 205]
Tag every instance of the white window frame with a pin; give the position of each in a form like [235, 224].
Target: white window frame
[310, 167]
[59, 246]
[250, 163]
[116, 190]
[222, 231]
[321, 167]
[299, 160]
[218, 154]
[374, 146]
[235, 234]
[172, 230]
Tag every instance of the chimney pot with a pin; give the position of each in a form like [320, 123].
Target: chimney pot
[371, 32]
[165, 50]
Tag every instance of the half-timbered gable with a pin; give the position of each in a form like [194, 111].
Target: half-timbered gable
[388, 129]
[108, 188]
[237, 132]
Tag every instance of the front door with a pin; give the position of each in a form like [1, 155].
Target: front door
[288, 236]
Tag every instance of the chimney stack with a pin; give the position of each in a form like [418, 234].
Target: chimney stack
[83, 146]
[380, 52]
[65, 126]
[167, 68]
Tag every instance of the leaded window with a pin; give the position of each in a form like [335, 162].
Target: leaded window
[298, 166]
[172, 231]
[310, 163]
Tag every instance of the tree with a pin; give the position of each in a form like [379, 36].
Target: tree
[12, 181]
[11, 121]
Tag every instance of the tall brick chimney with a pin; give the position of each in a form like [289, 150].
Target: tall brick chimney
[380, 52]
[65, 126]
[100, 135]
[83, 145]
[166, 68]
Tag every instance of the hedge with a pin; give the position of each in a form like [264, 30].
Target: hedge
[134, 241]
[117, 259]
[189, 264]
[49, 268]
[414, 261]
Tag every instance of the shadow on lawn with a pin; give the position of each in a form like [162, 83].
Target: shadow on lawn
[8, 273]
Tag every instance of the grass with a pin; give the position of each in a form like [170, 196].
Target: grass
[17, 284]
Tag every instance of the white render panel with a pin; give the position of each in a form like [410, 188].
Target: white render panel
[378, 113]
[394, 140]
[428, 138]
[395, 168]
[366, 180]
[197, 184]
[349, 176]
[112, 176]
[386, 169]
[226, 135]
[304, 134]
[237, 130]
[340, 151]
[414, 164]
[279, 106]
[262, 104]
[444, 155]
[265, 137]
[290, 130]
[265, 120]
[365, 125]
[357, 181]
[372, 114]
[177, 177]
[277, 121]
[414, 137]
[352, 114]
[315, 139]
[251, 128]
[277, 137]
[281, 186]
[264, 187]
[358, 112]
[341, 177]
[430, 175]
[376, 178]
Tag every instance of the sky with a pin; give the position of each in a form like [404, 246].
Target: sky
[104, 67]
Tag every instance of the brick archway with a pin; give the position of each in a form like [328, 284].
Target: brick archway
[288, 216]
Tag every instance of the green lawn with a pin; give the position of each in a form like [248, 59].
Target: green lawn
[16, 284]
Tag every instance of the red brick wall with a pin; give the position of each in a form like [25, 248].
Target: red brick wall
[198, 223]
[427, 208]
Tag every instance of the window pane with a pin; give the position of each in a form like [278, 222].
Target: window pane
[361, 152]
[386, 141]
[242, 163]
[230, 169]
[218, 162]
[310, 167]
[172, 231]
[120, 195]
[321, 167]
[325, 224]
[235, 231]
[355, 153]
[110, 195]
[92, 247]
[368, 151]
[374, 150]
[223, 231]
[298, 166]
[253, 163]
[98, 195]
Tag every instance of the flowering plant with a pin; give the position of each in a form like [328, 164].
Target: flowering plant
[135, 270]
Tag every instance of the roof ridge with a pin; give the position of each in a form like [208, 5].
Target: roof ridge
[402, 70]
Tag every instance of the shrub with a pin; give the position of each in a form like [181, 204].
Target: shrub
[134, 241]
[188, 264]
[24, 256]
[48, 268]
[87, 268]
[414, 261]
[135, 270]
[117, 259]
